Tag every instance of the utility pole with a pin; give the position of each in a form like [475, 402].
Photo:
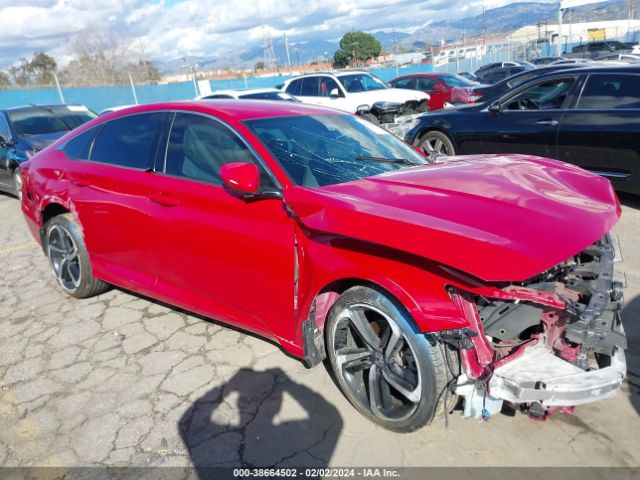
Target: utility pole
[395, 52]
[286, 48]
[559, 50]
[484, 28]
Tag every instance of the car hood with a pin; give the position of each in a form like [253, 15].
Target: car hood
[498, 218]
[399, 95]
[39, 142]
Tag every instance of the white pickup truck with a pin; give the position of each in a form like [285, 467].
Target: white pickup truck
[361, 93]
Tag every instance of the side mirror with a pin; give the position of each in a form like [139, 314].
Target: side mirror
[240, 177]
[495, 108]
[334, 93]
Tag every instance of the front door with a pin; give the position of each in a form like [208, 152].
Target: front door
[5, 170]
[528, 120]
[214, 252]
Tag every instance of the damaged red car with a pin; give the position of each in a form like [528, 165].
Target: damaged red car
[489, 279]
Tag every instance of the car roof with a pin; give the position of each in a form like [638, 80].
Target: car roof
[241, 91]
[237, 109]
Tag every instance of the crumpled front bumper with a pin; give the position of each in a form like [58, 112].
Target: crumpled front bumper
[542, 377]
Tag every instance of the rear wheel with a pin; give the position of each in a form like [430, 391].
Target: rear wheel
[436, 144]
[68, 257]
[390, 372]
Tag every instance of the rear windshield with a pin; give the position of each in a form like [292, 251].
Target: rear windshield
[41, 120]
[456, 81]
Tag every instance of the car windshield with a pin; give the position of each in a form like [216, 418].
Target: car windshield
[269, 96]
[324, 150]
[456, 81]
[361, 82]
[42, 120]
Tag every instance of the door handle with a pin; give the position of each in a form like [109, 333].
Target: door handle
[549, 123]
[79, 181]
[163, 199]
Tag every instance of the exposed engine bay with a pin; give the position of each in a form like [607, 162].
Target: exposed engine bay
[550, 343]
[398, 118]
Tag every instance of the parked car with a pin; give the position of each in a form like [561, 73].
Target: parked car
[336, 239]
[444, 89]
[495, 65]
[484, 93]
[27, 130]
[571, 61]
[114, 109]
[586, 116]
[635, 50]
[250, 94]
[540, 61]
[596, 49]
[362, 93]
[469, 76]
[489, 77]
[620, 57]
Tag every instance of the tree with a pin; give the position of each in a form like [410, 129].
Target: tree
[21, 73]
[258, 66]
[356, 47]
[43, 67]
[5, 81]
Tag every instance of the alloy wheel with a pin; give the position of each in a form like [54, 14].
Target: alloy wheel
[376, 362]
[63, 257]
[434, 147]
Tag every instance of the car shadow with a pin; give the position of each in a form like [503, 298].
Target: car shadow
[259, 419]
[630, 317]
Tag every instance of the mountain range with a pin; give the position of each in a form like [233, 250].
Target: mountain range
[501, 20]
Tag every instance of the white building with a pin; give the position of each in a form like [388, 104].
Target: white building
[576, 32]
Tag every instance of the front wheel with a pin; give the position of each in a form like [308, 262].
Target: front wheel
[390, 372]
[68, 257]
[436, 144]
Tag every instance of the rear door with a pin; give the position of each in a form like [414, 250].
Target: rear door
[111, 189]
[528, 120]
[602, 132]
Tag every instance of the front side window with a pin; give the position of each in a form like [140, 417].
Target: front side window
[610, 91]
[199, 146]
[128, 141]
[548, 95]
[323, 150]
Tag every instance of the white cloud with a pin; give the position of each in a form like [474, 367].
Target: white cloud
[172, 28]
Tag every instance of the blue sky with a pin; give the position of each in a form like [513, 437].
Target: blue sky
[169, 29]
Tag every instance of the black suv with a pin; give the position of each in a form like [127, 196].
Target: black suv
[586, 116]
[26, 130]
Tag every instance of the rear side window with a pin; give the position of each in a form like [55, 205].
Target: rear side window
[404, 83]
[310, 87]
[79, 147]
[610, 91]
[294, 87]
[129, 141]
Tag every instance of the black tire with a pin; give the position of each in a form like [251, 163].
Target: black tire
[68, 257]
[370, 117]
[17, 182]
[412, 362]
[436, 144]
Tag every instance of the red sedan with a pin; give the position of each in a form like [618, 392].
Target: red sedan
[444, 88]
[334, 238]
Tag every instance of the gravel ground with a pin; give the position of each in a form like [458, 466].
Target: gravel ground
[120, 380]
